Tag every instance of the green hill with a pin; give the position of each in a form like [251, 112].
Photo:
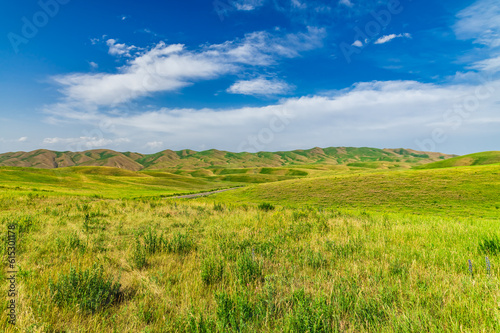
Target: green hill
[192, 160]
[464, 191]
[484, 158]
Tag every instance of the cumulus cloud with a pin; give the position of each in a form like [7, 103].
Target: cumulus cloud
[23, 139]
[388, 38]
[357, 43]
[166, 68]
[154, 144]
[260, 86]
[118, 49]
[370, 113]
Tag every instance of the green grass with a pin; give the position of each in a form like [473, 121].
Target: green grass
[237, 268]
[337, 249]
[484, 158]
[461, 192]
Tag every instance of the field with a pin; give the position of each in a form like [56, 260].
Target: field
[310, 249]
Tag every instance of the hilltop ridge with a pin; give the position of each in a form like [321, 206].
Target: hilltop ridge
[190, 159]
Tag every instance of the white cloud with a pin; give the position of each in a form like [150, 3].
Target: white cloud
[93, 65]
[163, 68]
[118, 49]
[263, 48]
[260, 86]
[154, 144]
[480, 22]
[248, 5]
[367, 114]
[488, 65]
[347, 3]
[171, 67]
[358, 43]
[88, 142]
[23, 139]
[388, 38]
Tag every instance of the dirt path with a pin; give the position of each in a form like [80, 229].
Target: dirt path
[188, 196]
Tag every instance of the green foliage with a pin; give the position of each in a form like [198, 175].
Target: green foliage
[266, 206]
[233, 312]
[90, 290]
[218, 207]
[490, 245]
[248, 269]
[180, 243]
[212, 270]
[139, 255]
[310, 315]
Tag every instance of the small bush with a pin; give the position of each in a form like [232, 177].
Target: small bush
[90, 289]
[212, 270]
[266, 206]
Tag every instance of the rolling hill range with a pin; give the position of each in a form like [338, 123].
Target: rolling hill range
[192, 160]
[483, 158]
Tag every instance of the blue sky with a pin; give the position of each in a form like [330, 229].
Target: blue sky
[250, 75]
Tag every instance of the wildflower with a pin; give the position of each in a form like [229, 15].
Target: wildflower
[470, 269]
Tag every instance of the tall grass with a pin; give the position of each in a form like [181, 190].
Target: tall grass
[187, 266]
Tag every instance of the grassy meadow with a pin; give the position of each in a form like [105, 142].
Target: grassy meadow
[338, 249]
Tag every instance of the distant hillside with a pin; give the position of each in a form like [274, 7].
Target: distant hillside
[485, 158]
[193, 160]
[466, 191]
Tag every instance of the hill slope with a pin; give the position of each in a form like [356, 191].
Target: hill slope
[484, 158]
[192, 160]
[464, 191]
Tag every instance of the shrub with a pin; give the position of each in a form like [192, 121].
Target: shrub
[266, 206]
[89, 289]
